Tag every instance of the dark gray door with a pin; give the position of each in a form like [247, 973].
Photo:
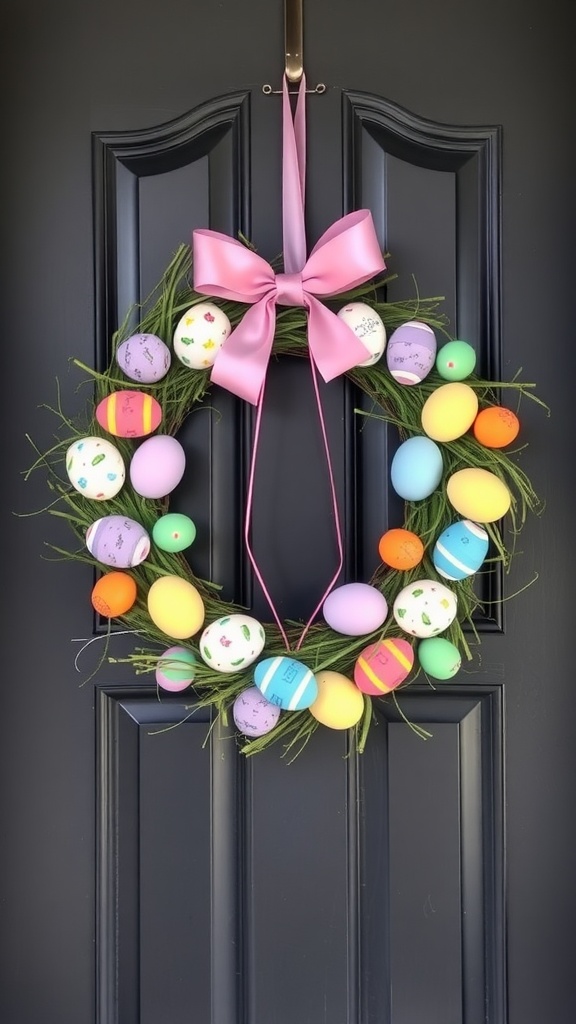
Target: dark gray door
[149, 876]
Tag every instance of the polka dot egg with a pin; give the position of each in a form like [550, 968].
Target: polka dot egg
[425, 608]
[232, 642]
[95, 468]
[200, 334]
[411, 352]
[144, 358]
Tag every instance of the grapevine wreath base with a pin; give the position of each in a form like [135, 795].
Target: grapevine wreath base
[333, 665]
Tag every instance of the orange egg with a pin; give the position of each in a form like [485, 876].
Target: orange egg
[401, 549]
[114, 594]
[496, 427]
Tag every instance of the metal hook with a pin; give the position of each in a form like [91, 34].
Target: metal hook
[269, 91]
[293, 39]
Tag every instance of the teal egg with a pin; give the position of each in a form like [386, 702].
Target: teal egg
[455, 360]
[439, 657]
[175, 669]
[173, 532]
[286, 682]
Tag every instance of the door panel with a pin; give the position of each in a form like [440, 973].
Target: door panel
[148, 872]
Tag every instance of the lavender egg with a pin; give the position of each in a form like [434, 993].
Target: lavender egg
[118, 541]
[157, 466]
[144, 358]
[355, 609]
[411, 352]
[253, 714]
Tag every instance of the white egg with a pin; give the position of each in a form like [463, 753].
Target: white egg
[425, 608]
[200, 334]
[95, 468]
[368, 327]
[231, 643]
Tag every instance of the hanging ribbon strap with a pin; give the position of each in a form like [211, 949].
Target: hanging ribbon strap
[347, 255]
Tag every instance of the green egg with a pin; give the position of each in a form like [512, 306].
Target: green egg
[438, 657]
[173, 532]
[455, 360]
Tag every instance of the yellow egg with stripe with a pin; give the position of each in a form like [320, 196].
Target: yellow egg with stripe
[175, 607]
[478, 494]
[339, 703]
[129, 413]
[449, 411]
[383, 666]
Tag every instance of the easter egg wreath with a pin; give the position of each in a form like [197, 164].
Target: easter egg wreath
[113, 472]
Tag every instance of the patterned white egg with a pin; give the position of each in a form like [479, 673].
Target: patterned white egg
[231, 643]
[425, 608]
[200, 334]
[95, 468]
[368, 326]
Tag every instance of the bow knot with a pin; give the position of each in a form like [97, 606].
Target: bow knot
[289, 290]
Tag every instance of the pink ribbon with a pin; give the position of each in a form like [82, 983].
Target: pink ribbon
[347, 254]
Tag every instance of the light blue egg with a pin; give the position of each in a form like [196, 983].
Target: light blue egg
[286, 682]
[460, 550]
[416, 468]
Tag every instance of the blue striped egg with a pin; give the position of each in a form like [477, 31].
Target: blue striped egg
[286, 683]
[460, 550]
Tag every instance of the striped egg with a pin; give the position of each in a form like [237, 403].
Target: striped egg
[286, 683]
[460, 550]
[118, 541]
[411, 352]
[129, 413]
[383, 666]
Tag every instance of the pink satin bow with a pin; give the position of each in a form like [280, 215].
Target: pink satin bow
[347, 254]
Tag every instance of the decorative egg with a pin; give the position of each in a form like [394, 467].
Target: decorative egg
[416, 468]
[200, 334]
[144, 358]
[368, 326]
[455, 360]
[114, 594]
[425, 608]
[355, 609]
[478, 494]
[286, 682]
[173, 532]
[157, 466]
[383, 666]
[449, 411]
[129, 413]
[254, 715]
[175, 669]
[400, 549]
[339, 703]
[232, 643]
[496, 427]
[411, 352]
[118, 541]
[175, 607]
[95, 468]
[439, 657]
[460, 549]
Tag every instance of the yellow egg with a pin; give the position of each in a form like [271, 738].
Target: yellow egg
[339, 703]
[449, 411]
[176, 607]
[478, 494]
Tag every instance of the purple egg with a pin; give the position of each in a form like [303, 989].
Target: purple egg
[118, 541]
[355, 609]
[157, 466]
[411, 352]
[253, 714]
[144, 357]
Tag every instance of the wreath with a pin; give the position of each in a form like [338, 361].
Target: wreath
[463, 492]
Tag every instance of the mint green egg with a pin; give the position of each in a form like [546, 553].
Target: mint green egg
[439, 657]
[455, 360]
[173, 532]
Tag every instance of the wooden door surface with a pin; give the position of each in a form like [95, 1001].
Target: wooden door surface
[148, 874]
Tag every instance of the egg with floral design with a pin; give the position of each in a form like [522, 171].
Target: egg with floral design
[95, 468]
[200, 334]
[425, 608]
[232, 642]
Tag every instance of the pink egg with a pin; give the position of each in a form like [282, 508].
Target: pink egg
[355, 609]
[157, 466]
[383, 666]
[253, 714]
